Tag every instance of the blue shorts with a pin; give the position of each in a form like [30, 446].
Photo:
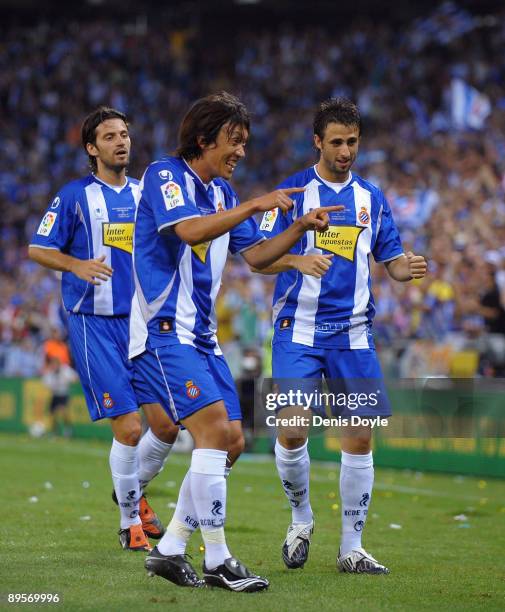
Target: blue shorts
[185, 380]
[100, 350]
[350, 375]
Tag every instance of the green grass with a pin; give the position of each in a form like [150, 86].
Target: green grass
[435, 561]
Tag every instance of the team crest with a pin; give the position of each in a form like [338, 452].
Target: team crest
[269, 218]
[107, 401]
[46, 225]
[172, 195]
[363, 216]
[192, 391]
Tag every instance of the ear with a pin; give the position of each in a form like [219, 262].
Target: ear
[91, 149]
[200, 141]
[317, 142]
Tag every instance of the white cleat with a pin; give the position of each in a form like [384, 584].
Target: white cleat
[358, 561]
[295, 550]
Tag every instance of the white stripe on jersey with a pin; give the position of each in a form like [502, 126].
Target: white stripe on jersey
[217, 258]
[358, 337]
[185, 307]
[89, 286]
[142, 313]
[136, 193]
[103, 302]
[190, 187]
[308, 298]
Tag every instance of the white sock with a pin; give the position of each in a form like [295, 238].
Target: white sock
[208, 490]
[124, 467]
[356, 482]
[294, 471]
[183, 523]
[153, 454]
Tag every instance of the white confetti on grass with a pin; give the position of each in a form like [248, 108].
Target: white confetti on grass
[86, 517]
[33, 499]
[171, 505]
[48, 485]
[395, 526]
[85, 484]
[460, 517]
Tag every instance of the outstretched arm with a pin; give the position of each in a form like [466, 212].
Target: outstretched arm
[313, 265]
[201, 229]
[266, 253]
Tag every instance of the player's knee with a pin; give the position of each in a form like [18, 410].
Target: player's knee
[292, 441]
[165, 431]
[236, 446]
[133, 434]
[359, 445]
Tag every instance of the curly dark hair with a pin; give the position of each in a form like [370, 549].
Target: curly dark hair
[336, 110]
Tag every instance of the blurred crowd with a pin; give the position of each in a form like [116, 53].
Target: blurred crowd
[445, 182]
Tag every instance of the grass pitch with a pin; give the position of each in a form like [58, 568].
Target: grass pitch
[59, 529]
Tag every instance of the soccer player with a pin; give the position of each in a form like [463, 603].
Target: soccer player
[87, 234]
[188, 219]
[322, 326]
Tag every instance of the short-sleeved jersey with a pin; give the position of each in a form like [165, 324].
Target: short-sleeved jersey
[88, 219]
[337, 309]
[176, 285]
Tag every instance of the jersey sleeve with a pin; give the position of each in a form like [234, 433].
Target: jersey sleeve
[244, 235]
[388, 245]
[57, 227]
[168, 199]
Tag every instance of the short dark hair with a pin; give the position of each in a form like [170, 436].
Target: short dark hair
[336, 110]
[92, 121]
[205, 119]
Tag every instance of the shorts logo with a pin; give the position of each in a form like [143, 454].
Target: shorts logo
[216, 507]
[269, 218]
[166, 326]
[165, 175]
[192, 391]
[172, 195]
[358, 526]
[363, 216]
[46, 225]
[107, 401]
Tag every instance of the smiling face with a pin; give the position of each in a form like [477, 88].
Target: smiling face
[338, 148]
[220, 158]
[112, 146]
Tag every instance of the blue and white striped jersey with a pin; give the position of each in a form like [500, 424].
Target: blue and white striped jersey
[337, 309]
[87, 219]
[176, 285]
